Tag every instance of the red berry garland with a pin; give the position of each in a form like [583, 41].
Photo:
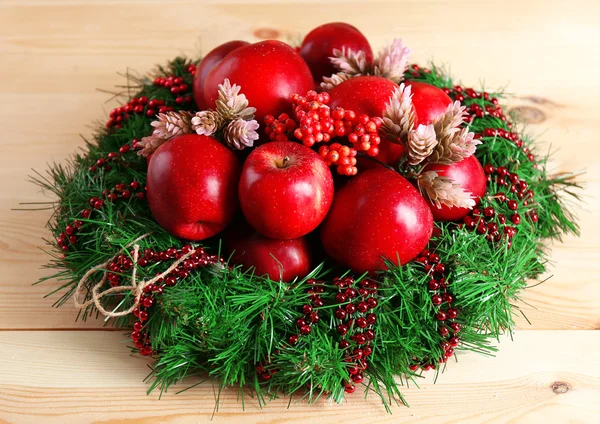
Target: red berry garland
[496, 226]
[104, 162]
[151, 107]
[199, 259]
[445, 313]
[121, 191]
[138, 106]
[477, 111]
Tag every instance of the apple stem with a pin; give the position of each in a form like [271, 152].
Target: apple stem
[285, 161]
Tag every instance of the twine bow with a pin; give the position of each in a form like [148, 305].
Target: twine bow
[136, 288]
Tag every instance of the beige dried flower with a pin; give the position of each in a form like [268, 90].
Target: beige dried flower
[166, 126]
[240, 134]
[392, 61]
[441, 190]
[399, 115]
[206, 122]
[421, 143]
[349, 62]
[231, 104]
[454, 143]
[334, 80]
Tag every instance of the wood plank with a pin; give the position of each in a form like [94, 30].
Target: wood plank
[61, 52]
[64, 377]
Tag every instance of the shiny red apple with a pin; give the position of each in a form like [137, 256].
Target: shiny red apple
[377, 215]
[207, 64]
[285, 189]
[318, 45]
[471, 177]
[429, 102]
[278, 259]
[192, 186]
[369, 95]
[268, 73]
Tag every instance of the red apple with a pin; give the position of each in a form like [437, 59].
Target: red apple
[192, 186]
[207, 64]
[285, 190]
[377, 215]
[318, 46]
[268, 73]
[429, 102]
[369, 95]
[470, 175]
[279, 259]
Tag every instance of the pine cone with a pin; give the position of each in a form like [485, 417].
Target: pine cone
[441, 190]
[240, 134]
[167, 126]
[206, 122]
[231, 104]
[351, 63]
[398, 116]
[421, 143]
[334, 80]
[392, 61]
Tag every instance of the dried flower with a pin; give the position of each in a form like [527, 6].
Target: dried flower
[421, 143]
[206, 122]
[167, 126]
[240, 134]
[398, 116]
[392, 61]
[454, 143]
[349, 62]
[441, 190]
[334, 80]
[231, 104]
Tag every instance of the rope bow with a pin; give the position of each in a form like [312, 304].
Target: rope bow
[136, 288]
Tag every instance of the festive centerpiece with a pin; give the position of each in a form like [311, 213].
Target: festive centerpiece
[307, 219]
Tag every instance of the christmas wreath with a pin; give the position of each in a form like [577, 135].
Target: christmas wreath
[304, 219]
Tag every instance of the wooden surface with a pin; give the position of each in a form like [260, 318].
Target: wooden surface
[53, 57]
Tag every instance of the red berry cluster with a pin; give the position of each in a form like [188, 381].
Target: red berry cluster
[497, 226]
[511, 136]
[316, 123]
[278, 128]
[69, 236]
[103, 163]
[123, 263]
[138, 106]
[355, 324]
[177, 86]
[445, 314]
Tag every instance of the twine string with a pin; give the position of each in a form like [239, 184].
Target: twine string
[136, 288]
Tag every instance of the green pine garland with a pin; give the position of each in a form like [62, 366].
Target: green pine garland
[222, 321]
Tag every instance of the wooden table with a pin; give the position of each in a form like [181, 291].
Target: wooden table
[54, 56]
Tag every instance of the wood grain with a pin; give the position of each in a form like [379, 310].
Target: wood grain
[74, 382]
[55, 55]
